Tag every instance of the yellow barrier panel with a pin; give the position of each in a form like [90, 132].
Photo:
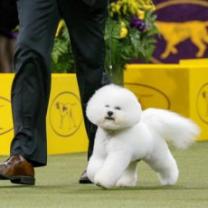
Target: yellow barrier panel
[65, 127]
[198, 61]
[181, 88]
[6, 125]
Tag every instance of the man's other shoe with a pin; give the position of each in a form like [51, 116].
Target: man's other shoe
[17, 170]
[84, 179]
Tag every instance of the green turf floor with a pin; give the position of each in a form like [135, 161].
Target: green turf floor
[57, 186]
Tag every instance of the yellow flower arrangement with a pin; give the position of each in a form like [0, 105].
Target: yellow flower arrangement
[60, 27]
[123, 30]
[130, 34]
[141, 14]
[125, 7]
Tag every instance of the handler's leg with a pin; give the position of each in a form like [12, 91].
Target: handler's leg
[86, 26]
[31, 87]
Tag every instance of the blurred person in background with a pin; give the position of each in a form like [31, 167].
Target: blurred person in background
[8, 24]
[38, 20]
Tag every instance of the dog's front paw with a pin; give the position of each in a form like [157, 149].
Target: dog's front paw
[102, 181]
[126, 183]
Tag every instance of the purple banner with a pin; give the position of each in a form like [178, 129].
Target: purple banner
[183, 25]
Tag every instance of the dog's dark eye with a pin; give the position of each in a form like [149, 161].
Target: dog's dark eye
[107, 106]
[117, 108]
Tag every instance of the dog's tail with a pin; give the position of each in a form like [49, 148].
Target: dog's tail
[180, 131]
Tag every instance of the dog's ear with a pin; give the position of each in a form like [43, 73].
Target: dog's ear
[92, 108]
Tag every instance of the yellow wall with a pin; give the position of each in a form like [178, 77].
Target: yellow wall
[6, 127]
[65, 127]
[181, 88]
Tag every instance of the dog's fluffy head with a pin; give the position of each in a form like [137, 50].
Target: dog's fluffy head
[113, 107]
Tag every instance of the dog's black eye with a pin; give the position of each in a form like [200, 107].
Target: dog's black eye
[118, 108]
[107, 106]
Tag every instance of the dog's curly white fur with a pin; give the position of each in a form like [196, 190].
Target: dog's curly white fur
[126, 134]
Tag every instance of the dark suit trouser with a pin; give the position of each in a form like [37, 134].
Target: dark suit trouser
[31, 86]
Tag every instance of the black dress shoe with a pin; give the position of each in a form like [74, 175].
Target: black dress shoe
[17, 170]
[84, 179]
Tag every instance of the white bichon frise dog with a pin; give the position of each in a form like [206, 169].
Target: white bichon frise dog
[126, 134]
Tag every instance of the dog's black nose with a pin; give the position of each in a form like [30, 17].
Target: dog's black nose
[110, 113]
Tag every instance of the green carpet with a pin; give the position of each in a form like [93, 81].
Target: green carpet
[57, 186]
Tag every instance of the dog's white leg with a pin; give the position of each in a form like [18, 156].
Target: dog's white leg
[113, 168]
[129, 177]
[93, 167]
[165, 165]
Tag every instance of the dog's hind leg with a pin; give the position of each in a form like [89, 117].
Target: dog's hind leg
[129, 177]
[166, 167]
